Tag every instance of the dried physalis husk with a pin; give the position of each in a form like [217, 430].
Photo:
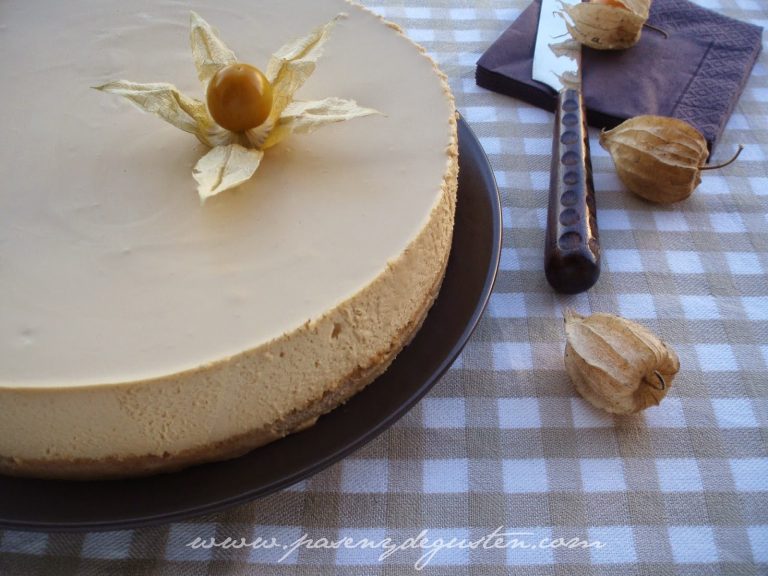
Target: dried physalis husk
[658, 158]
[236, 155]
[616, 364]
[607, 24]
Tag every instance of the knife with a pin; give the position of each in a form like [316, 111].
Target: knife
[572, 248]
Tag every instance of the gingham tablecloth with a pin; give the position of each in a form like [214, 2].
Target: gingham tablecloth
[503, 454]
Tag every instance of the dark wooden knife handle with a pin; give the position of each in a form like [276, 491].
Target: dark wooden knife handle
[572, 248]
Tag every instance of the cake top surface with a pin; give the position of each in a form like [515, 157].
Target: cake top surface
[111, 271]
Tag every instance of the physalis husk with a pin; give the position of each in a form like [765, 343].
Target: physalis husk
[658, 158]
[235, 156]
[607, 24]
[616, 364]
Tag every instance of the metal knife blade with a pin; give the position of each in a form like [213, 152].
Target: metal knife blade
[572, 249]
[556, 55]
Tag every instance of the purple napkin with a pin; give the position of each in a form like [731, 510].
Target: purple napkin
[696, 74]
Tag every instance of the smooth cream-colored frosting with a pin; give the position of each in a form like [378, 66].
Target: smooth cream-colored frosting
[133, 319]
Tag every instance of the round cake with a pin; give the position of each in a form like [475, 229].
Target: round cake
[142, 330]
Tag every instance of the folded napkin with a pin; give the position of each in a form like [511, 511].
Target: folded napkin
[696, 74]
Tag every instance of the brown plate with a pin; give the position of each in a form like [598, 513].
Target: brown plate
[56, 505]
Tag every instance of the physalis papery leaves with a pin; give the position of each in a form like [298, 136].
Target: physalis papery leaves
[235, 156]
